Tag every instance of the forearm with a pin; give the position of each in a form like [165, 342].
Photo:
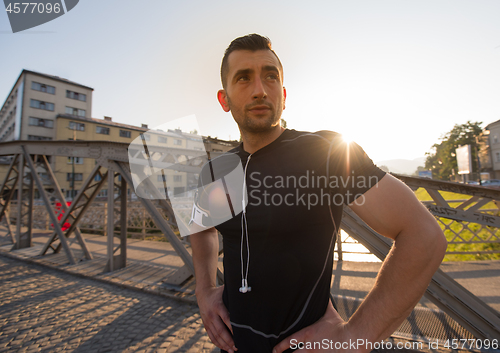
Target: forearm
[401, 282]
[205, 247]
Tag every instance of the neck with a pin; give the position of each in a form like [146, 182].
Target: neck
[253, 142]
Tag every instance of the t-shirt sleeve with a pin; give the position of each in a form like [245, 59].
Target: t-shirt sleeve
[219, 194]
[200, 210]
[353, 170]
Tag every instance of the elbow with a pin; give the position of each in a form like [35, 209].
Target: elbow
[438, 244]
[443, 242]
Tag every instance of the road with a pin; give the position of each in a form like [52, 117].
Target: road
[43, 310]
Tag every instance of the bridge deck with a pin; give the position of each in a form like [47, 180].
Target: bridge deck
[151, 263]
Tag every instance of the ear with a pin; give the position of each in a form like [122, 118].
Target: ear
[284, 97]
[222, 98]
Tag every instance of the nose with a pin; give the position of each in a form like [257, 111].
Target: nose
[259, 90]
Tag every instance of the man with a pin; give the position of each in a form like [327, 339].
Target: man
[278, 252]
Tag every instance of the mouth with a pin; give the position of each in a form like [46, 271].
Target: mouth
[260, 109]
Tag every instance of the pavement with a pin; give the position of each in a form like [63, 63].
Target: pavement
[48, 305]
[44, 310]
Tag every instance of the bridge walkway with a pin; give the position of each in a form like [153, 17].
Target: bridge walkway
[151, 265]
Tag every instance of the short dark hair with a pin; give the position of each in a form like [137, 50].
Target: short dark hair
[252, 42]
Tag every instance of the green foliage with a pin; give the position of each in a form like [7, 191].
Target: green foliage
[443, 160]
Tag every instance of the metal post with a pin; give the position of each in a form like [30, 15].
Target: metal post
[110, 220]
[339, 247]
[73, 168]
[20, 186]
[27, 238]
[7, 192]
[143, 230]
[123, 223]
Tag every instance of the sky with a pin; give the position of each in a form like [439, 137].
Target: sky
[392, 75]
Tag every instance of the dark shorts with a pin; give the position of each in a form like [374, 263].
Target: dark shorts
[249, 337]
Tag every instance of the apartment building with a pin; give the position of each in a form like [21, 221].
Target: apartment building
[76, 128]
[70, 127]
[45, 107]
[30, 110]
[492, 152]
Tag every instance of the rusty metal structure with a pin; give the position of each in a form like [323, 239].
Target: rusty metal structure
[28, 161]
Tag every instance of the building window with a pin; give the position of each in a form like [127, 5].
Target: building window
[179, 190]
[162, 139]
[103, 193]
[98, 177]
[146, 137]
[495, 139]
[76, 126]
[43, 88]
[41, 105]
[39, 138]
[124, 133]
[78, 160]
[71, 193]
[498, 156]
[41, 122]
[177, 177]
[75, 95]
[161, 177]
[78, 176]
[177, 142]
[102, 130]
[75, 111]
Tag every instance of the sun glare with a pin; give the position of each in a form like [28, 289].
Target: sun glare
[347, 138]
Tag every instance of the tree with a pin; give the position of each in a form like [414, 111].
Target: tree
[443, 161]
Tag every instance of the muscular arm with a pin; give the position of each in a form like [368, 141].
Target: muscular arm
[391, 209]
[205, 245]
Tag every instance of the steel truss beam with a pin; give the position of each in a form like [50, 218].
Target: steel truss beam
[160, 221]
[116, 262]
[81, 202]
[442, 208]
[460, 304]
[64, 206]
[24, 210]
[47, 203]
[6, 193]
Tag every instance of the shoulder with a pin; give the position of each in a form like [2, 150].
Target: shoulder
[323, 136]
[219, 165]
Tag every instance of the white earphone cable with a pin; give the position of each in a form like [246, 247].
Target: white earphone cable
[244, 235]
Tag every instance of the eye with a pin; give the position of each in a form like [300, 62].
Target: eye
[242, 78]
[272, 76]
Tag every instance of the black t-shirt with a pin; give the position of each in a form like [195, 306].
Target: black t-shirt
[283, 245]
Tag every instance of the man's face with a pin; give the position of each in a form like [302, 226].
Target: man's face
[254, 90]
